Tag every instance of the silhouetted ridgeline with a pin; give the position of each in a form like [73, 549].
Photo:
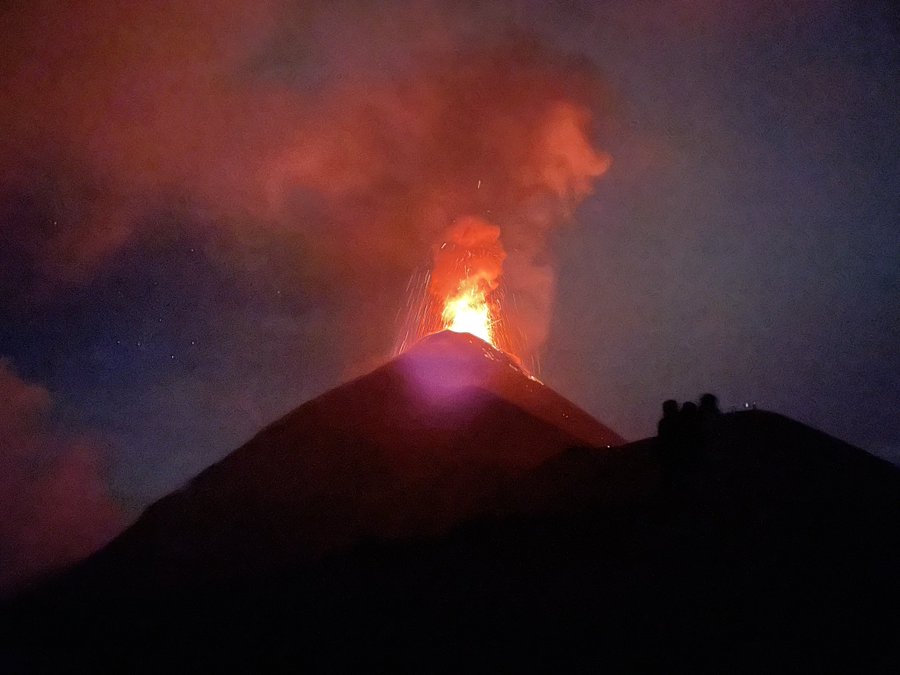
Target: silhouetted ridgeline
[778, 551]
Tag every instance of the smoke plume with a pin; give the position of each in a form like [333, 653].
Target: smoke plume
[266, 121]
[473, 245]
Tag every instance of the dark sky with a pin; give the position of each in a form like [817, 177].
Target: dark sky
[209, 216]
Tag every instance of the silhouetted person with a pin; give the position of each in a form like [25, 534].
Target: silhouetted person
[689, 433]
[689, 413]
[709, 405]
[667, 428]
[709, 415]
[669, 446]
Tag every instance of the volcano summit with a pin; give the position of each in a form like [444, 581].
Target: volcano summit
[448, 513]
[431, 438]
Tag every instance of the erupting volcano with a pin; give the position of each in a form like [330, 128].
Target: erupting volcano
[449, 509]
[414, 447]
[461, 292]
[467, 270]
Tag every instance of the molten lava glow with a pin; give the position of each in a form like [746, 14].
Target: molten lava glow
[469, 312]
[462, 291]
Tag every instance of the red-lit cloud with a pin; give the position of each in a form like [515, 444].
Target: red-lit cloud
[274, 122]
[54, 501]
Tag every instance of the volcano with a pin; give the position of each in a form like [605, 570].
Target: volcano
[433, 437]
[448, 513]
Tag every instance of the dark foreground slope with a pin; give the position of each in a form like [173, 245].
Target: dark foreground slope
[777, 549]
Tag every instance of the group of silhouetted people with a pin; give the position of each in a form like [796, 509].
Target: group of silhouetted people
[684, 432]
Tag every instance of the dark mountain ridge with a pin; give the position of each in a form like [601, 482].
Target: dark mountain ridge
[412, 448]
[491, 541]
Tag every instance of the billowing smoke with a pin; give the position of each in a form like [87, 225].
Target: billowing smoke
[471, 249]
[357, 134]
[499, 135]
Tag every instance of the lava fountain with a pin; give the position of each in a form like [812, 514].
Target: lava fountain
[469, 312]
[461, 292]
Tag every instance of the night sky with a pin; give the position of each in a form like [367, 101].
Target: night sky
[209, 216]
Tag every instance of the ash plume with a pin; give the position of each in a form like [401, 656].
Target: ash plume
[359, 149]
[482, 256]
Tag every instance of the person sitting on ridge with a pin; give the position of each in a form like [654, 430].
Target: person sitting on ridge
[668, 443]
[709, 406]
[689, 432]
[667, 428]
[709, 416]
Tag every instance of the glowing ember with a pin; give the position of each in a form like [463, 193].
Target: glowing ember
[469, 312]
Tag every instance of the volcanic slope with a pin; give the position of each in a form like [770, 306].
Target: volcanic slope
[769, 547]
[433, 437]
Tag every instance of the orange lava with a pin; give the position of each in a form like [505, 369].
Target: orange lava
[469, 312]
[462, 291]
